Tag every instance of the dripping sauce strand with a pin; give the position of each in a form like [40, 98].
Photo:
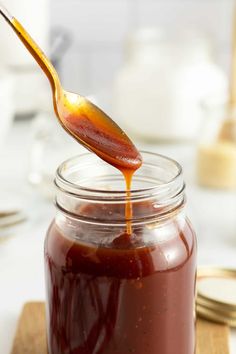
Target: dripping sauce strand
[89, 124]
[128, 175]
[110, 143]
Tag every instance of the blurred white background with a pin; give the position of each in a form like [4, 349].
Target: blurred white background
[99, 27]
[91, 50]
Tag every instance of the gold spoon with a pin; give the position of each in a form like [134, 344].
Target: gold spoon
[79, 117]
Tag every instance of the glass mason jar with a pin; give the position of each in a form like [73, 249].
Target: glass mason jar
[109, 292]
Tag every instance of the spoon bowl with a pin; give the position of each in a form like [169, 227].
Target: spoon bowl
[83, 120]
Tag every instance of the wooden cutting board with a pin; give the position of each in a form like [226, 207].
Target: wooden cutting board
[30, 336]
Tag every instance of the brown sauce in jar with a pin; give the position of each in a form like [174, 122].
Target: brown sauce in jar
[125, 297]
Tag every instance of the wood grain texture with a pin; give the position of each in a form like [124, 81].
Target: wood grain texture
[31, 330]
[212, 338]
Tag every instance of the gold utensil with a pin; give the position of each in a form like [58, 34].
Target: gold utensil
[78, 116]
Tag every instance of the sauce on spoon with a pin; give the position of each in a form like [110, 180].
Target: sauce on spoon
[88, 124]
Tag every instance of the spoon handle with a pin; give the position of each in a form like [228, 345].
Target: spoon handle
[34, 49]
[4, 12]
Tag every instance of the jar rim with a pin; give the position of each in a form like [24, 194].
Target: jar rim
[174, 184]
[161, 176]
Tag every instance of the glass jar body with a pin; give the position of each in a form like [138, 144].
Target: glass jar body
[113, 293]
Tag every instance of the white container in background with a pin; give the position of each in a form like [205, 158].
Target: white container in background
[29, 79]
[158, 91]
[34, 15]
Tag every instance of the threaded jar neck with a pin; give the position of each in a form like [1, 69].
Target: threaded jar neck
[157, 189]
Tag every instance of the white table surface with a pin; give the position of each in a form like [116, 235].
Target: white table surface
[21, 256]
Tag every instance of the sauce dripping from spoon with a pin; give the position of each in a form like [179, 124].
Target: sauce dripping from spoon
[83, 120]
